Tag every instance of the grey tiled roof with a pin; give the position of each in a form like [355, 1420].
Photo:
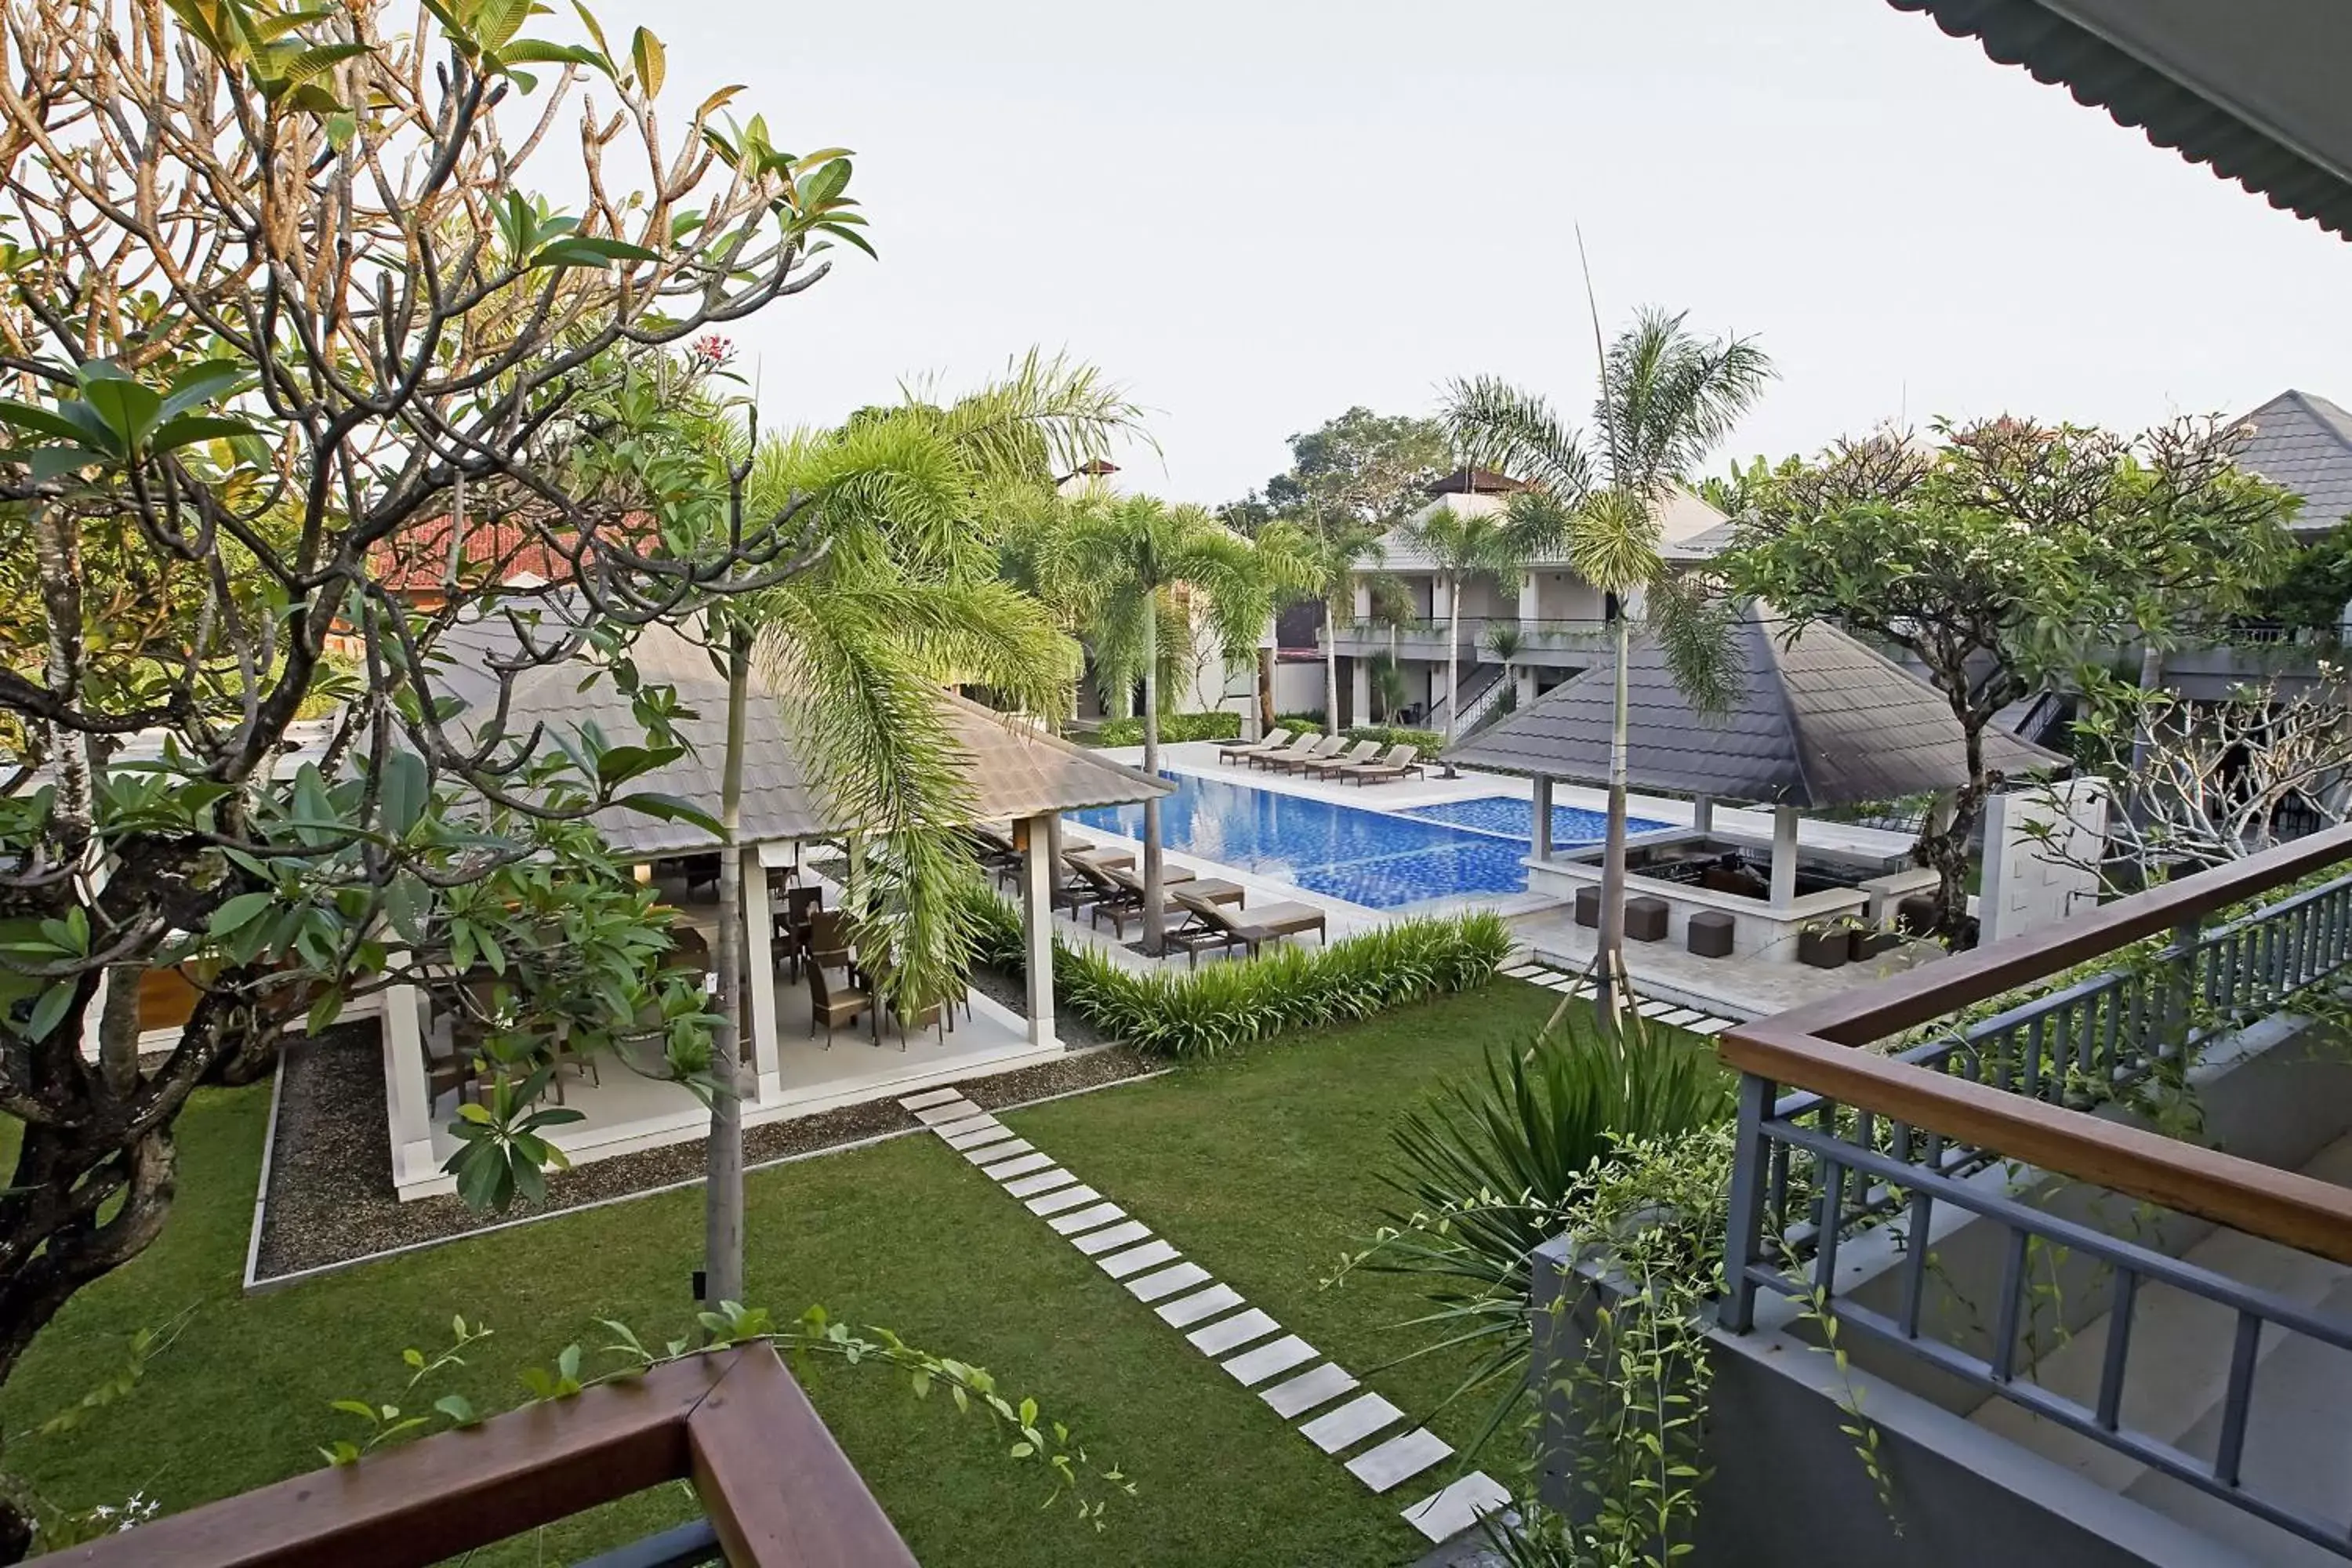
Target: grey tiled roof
[1012, 768]
[2251, 88]
[1820, 721]
[2304, 443]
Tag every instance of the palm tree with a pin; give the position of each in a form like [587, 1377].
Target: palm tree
[1464, 543]
[1132, 572]
[905, 597]
[1324, 564]
[1667, 399]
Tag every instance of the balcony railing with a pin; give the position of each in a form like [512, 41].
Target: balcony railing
[1861, 1138]
[777, 1490]
[1545, 632]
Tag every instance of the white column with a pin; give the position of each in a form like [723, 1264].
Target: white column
[1037, 924]
[1359, 682]
[408, 1101]
[1703, 813]
[1543, 819]
[760, 975]
[1530, 600]
[1784, 856]
[1525, 677]
[1364, 598]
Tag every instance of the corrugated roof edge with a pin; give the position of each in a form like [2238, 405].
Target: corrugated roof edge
[2057, 50]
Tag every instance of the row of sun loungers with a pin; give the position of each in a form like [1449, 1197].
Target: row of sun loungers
[1326, 757]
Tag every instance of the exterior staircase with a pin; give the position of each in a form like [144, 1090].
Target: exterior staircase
[1481, 687]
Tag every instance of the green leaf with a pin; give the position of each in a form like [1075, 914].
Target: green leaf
[590, 250]
[540, 51]
[40, 421]
[402, 791]
[240, 911]
[668, 808]
[172, 434]
[457, 1408]
[131, 410]
[50, 1010]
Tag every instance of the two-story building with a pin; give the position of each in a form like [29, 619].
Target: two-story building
[1554, 624]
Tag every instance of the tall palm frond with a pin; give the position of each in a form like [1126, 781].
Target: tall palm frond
[1045, 417]
[1669, 398]
[1493, 425]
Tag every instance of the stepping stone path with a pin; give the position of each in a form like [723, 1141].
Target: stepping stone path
[1290, 1376]
[1671, 1013]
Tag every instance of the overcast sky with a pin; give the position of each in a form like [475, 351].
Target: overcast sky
[1253, 214]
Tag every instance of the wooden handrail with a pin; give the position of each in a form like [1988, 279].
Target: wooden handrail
[775, 1485]
[1811, 1048]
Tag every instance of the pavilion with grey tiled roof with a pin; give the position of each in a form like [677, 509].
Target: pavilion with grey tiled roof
[2304, 442]
[1817, 720]
[1013, 772]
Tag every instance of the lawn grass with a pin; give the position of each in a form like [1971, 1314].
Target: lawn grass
[1263, 1168]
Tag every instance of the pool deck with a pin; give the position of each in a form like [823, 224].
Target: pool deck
[1740, 987]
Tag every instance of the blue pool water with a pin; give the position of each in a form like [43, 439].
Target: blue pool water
[1504, 814]
[1368, 857]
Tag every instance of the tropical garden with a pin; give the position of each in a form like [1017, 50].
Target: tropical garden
[283, 417]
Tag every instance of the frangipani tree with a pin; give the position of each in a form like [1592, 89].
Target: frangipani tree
[276, 294]
[1123, 569]
[1667, 399]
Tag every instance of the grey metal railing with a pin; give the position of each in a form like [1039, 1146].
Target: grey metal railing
[690, 1545]
[1813, 1172]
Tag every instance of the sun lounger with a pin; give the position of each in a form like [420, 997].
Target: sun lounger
[1252, 929]
[1303, 747]
[1087, 880]
[1401, 762]
[1325, 750]
[1274, 741]
[1128, 898]
[1356, 755]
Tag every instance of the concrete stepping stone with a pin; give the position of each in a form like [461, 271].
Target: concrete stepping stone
[1656, 1009]
[935, 1097]
[1004, 1149]
[1042, 1182]
[1021, 1166]
[1094, 1243]
[1710, 1026]
[1054, 1202]
[1399, 1459]
[1680, 1018]
[1253, 1367]
[1562, 984]
[969, 1129]
[1351, 1423]
[1307, 1390]
[1521, 970]
[1186, 1311]
[1232, 1333]
[1443, 1515]
[946, 1110]
[1136, 1259]
[1086, 1219]
[1165, 1282]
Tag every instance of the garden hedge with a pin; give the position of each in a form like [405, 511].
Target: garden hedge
[1218, 724]
[1220, 1007]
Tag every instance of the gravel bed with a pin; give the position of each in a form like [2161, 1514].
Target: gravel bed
[331, 1200]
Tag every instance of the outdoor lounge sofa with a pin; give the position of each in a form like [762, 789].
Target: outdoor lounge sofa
[1251, 929]
[1325, 749]
[1360, 753]
[1401, 762]
[1241, 750]
[1297, 750]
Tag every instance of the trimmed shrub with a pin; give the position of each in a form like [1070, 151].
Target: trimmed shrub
[1221, 1006]
[1219, 724]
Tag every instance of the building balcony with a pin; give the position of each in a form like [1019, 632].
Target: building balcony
[1571, 642]
[1423, 639]
[2076, 1211]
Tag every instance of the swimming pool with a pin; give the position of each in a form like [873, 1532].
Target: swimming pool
[1368, 858]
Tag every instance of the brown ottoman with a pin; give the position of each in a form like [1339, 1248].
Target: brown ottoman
[1710, 934]
[1645, 920]
[1588, 906]
[1824, 949]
